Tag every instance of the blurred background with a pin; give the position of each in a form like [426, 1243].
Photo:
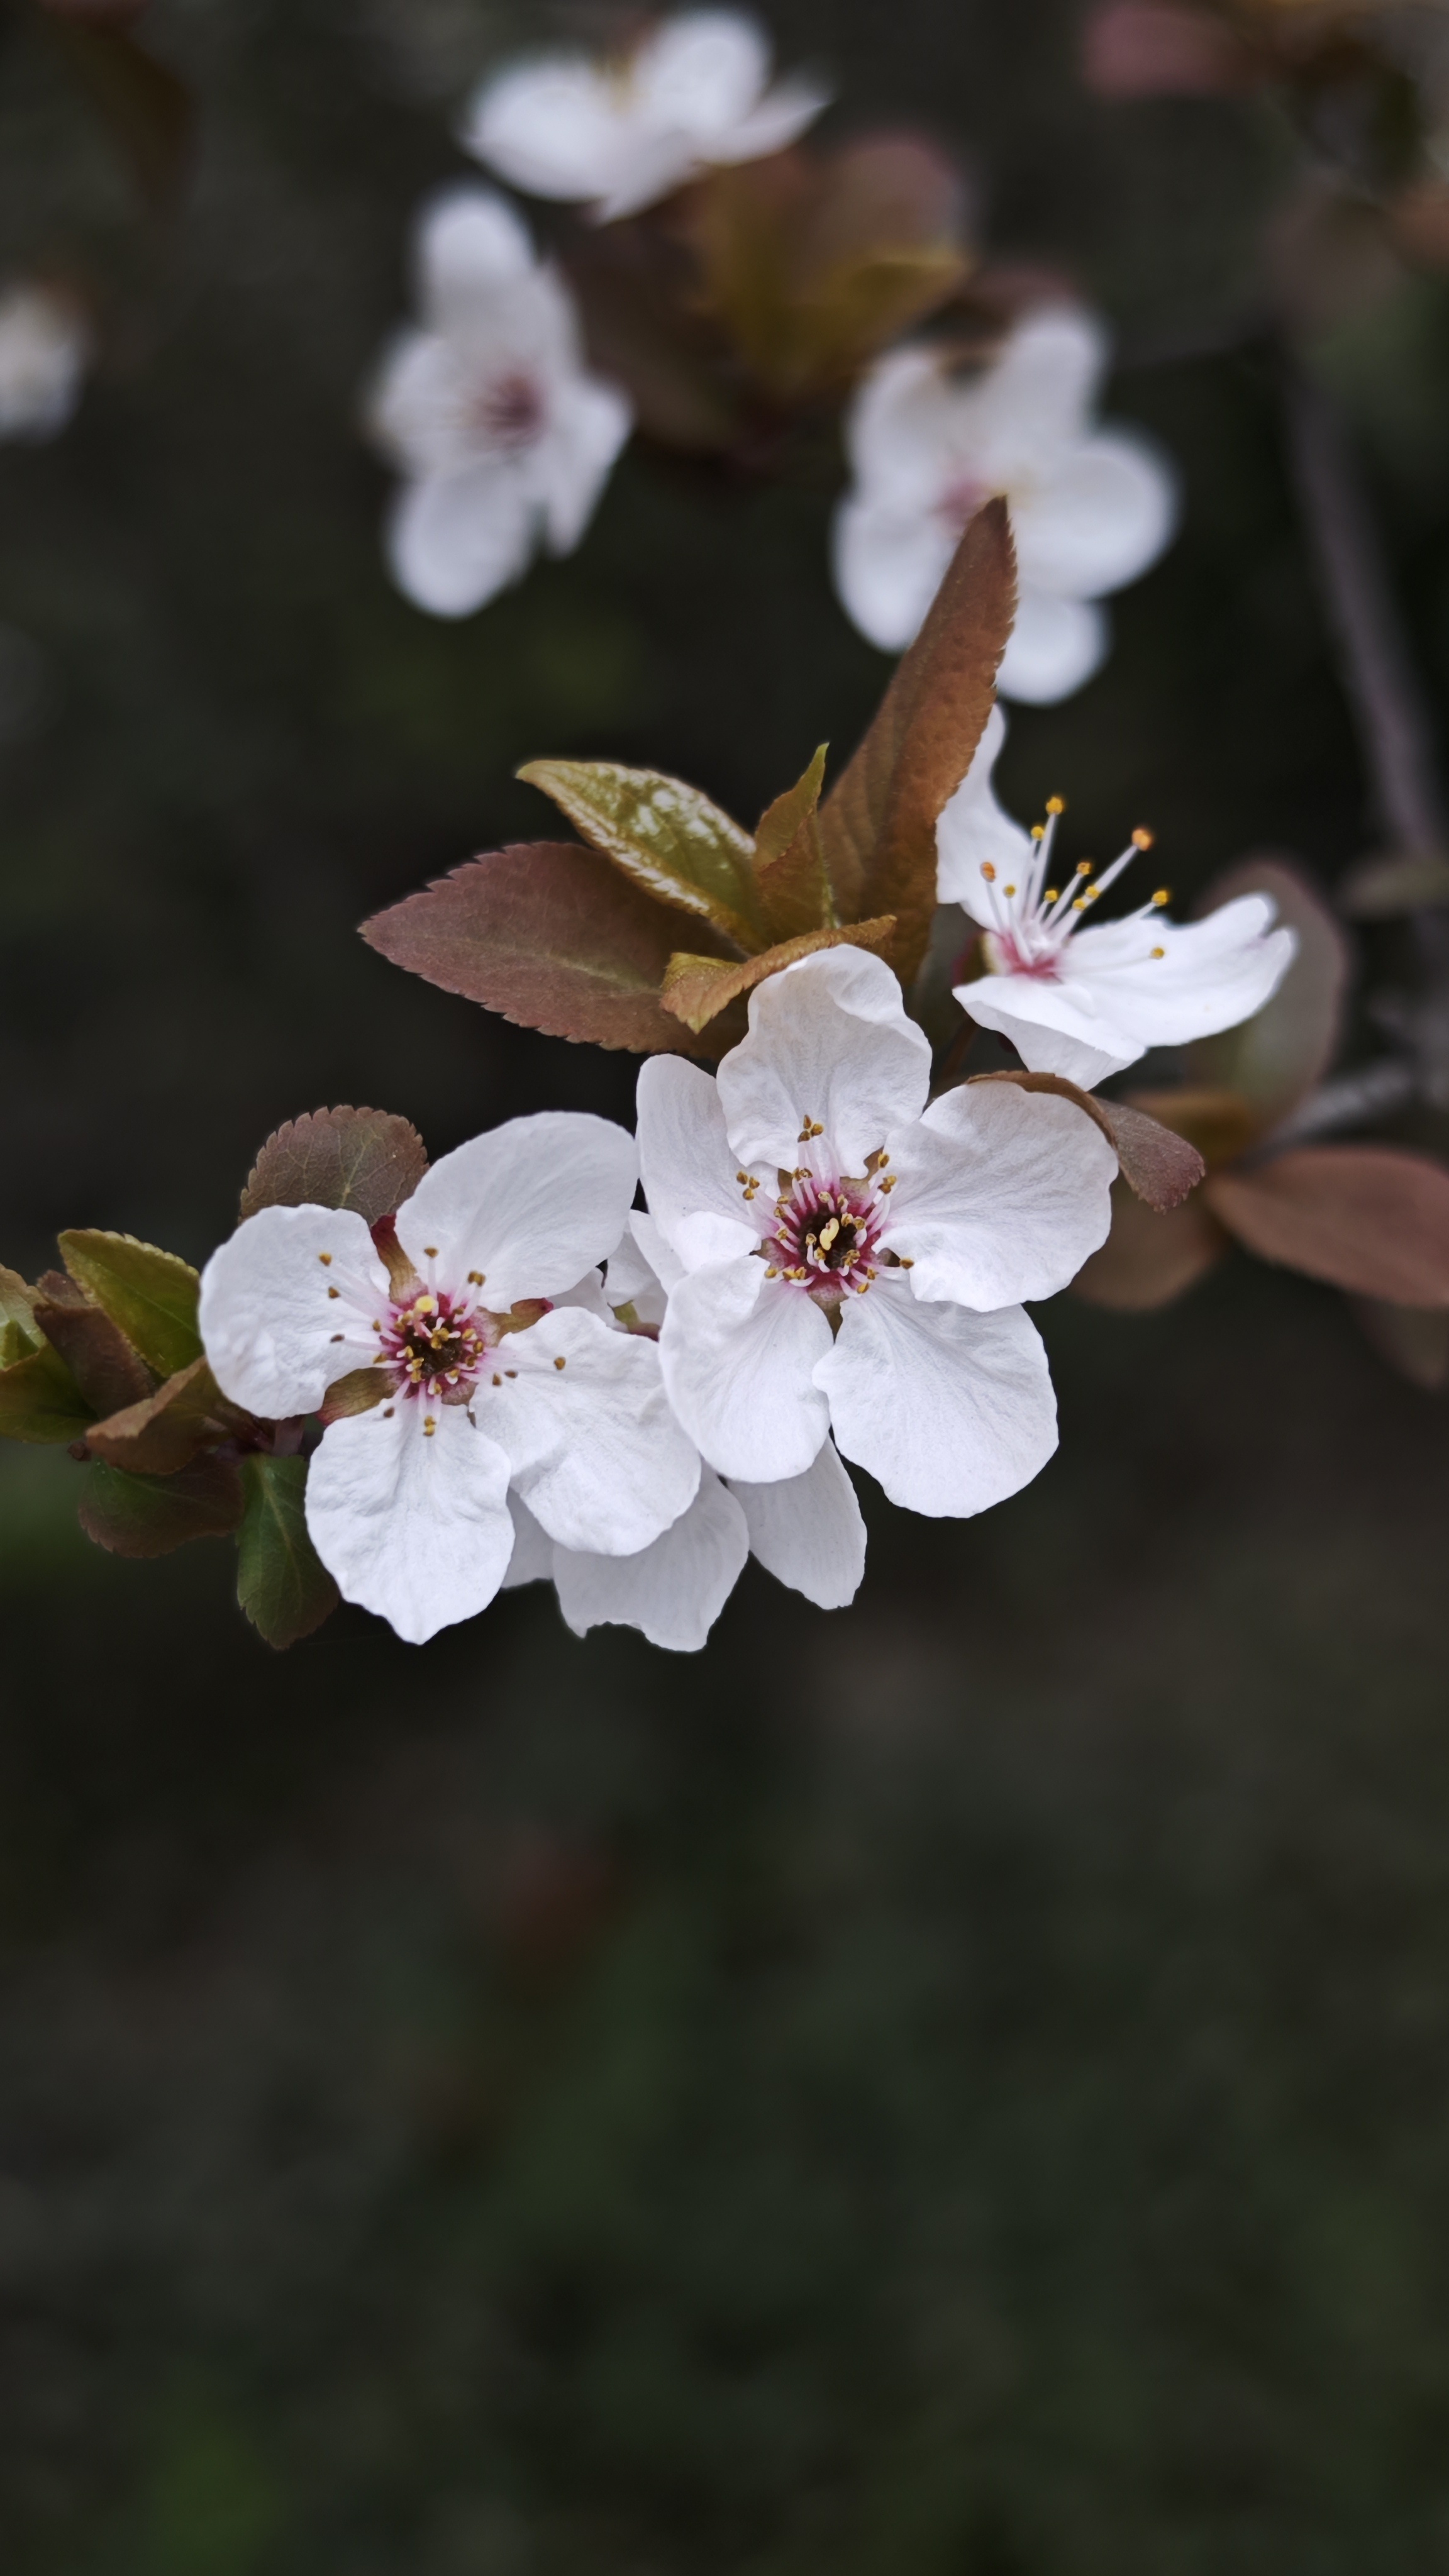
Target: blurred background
[957, 2086]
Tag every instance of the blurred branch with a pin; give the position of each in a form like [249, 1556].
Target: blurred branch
[1378, 672]
[1351, 1100]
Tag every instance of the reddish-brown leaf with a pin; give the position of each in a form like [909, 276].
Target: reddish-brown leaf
[1160, 1167]
[789, 861]
[1273, 1059]
[1370, 1218]
[151, 1515]
[550, 936]
[696, 989]
[146, 107]
[1148, 1259]
[1414, 1340]
[878, 829]
[365, 1159]
[102, 1362]
[1220, 1124]
[165, 1431]
[1158, 49]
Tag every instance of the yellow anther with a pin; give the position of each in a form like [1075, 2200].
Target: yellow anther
[326, 1260]
[430, 1252]
[1084, 867]
[1081, 904]
[497, 1380]
[429, 1426]
[1157, 952]
[477, 1279]
[816, 1129]
[388, 1411]
[1051, 895]
[907, 1260]
[1161, 897]
[988, 871]
[1009, 890]
[510, 1372]
[889, 1183]
[1056, 804]
[425, 1305]
[742, 1177]
[1038, 831]
[772, 1274]
[334, 1292]
[1142, 839]
[828, 1234]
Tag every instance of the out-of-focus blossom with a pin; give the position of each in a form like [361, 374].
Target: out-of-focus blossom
[44, 345]
[852, 1261]
[1080, 998]
[1090, 508]
[694, 93]
[490, 1368]
[487, 409]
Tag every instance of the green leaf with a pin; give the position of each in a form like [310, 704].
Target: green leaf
[543, 934]
[697, 989]
[879, 827]
[338, 1158]
[665, 837]
[164, 1432]
[150, 1294]
[21, 1332]
[151, 1515]
[40, 1401]
[789, 860]
[282, 1584]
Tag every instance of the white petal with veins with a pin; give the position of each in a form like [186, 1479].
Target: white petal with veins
[287, 1307]
[410, 1524]
[807, 1530]
[949, 1411]
[673, 1591]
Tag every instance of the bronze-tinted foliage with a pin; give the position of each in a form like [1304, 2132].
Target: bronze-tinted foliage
[765, 289]
[1370, 1219]
[364, 1159]
[588, 945]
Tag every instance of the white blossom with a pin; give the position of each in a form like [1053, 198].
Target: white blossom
[853, 1261]
[499, 1365]
[694, 92]
[806, 1530]
[1076, 996]
[44, 345]
[504, 439]
[1090, 508]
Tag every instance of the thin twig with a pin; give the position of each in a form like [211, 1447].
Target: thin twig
[1378, 672]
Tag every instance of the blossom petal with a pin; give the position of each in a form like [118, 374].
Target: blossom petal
[455, 540]
[532, 1205]
[1001, 1195]
[688, 1164]
[675, 1590]
[468, 244]
[1056, 645]
[551, 126]
[889, 562]
[595, 1451]
[828, 1041]
[1098, 522]
[973, 832]
[699, 73]
[807, 1531]
[412, 1525]
[532, 1558]
[949, 1411]
[1030, 409]
[591, 423]
[739, 1352]
[1055, 1026]
[1211, 974]
[783, 114]
[287, 1306]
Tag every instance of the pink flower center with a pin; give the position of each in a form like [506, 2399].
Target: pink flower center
[437, 1345]
[510, 412]
[826, 1235]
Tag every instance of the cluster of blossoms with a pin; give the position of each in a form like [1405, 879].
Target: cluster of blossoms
[522, 1375]
[505, 439]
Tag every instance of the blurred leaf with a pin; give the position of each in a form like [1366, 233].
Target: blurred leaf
[358, 1392]
[146, 108]
[1277, 1056]
[1398, 882]
[789, 863]
[364, 1159]
[1160, 1167]
[878, 829]
[281, 1583]
[1156, 49]
[162, 1433]
[664, 836]
[1220, 1124]
[696, 989]
[1414, 1340]
[151, 1515]
[641, 326]
[39, 1399]
[1149, 1258]
[544, 934]
[95, 1350]
[1419, 222]
[810, 262]
[150, 1294]
[1370, 1218]
[17, 1310]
